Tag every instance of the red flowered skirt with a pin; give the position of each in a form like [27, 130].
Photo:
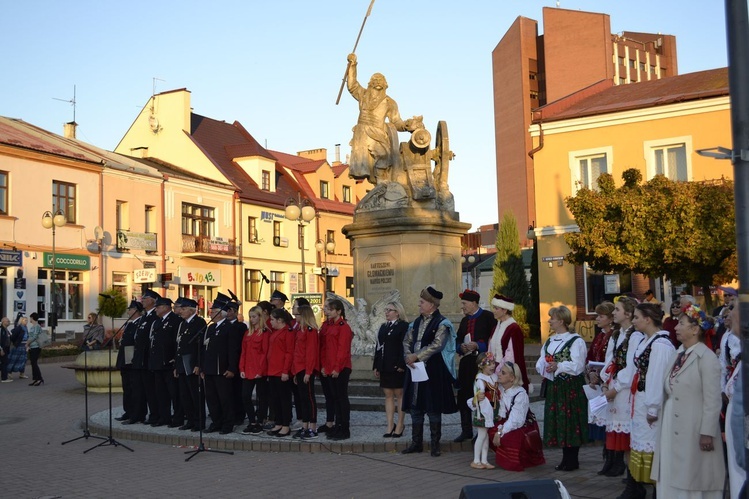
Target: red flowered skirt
[566, 412]
[517, 450]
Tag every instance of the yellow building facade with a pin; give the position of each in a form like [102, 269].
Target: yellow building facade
[656, 127]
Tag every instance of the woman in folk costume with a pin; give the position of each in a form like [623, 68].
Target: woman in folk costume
[597, 353]
[516, 440]
[653, 358]
[507, 343]
[485, 405]
[736, 474]
[562, 363]
[617, 377]
[689, 462]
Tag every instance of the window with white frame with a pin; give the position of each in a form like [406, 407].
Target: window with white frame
[670, 157]
[587, 165]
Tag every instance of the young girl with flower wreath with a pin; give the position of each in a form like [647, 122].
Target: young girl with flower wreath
[485, 406]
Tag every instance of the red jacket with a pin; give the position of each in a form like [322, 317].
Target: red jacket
[306, 351]
[254, 359]
[280, 352]
[335, 346]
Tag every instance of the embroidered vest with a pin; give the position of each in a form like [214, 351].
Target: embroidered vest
[643, 361]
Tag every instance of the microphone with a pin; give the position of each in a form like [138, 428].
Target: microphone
[265, 278]
[105, 296]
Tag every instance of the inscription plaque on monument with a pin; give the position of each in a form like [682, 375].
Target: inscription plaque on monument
[380, 275]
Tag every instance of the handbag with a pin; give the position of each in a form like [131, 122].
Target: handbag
[43, 339]
[531, 435]
[542, 390]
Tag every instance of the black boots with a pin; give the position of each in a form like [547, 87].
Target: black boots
[435, 433]
[633, 490]
[609, 456]
[342, 432]
[569, 459]
[466, 426]
[617, 464]
[417, 440]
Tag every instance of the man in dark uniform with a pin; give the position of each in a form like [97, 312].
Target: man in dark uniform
[474, 332]
[220, 363]
[161, 363]
[125, 360]
[431, 340]
[144, 394]
[186, 364]
[278, 299]
[238, 330]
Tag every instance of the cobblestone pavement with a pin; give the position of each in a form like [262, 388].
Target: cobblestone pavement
[35, 420]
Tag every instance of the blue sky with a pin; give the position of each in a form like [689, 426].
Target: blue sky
[276, 66]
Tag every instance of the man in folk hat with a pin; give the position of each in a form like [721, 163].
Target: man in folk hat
[474, 332]
[143, 387]
[186, 364]
[430, 339]
[507, 343]
[161, 362]
[278, 299]
[125, 360]
[218, 367]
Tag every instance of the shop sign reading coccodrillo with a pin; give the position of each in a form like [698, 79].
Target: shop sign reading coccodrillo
[68, 262]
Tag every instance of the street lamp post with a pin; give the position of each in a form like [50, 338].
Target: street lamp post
[471, 259]
[325, 248]
[52, 221]
[300, 210]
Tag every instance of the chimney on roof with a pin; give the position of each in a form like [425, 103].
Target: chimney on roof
[68, 130]
[337, 154]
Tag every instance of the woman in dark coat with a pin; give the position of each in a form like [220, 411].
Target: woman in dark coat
[389, 365]
[17, 358]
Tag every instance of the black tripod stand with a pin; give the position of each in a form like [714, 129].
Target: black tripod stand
[110, 439]
[86, 433]
[201, 404]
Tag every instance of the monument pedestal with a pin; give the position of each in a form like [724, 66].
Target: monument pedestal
[407, 249]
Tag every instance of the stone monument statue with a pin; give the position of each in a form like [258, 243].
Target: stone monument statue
[405, 233]
[401, 172]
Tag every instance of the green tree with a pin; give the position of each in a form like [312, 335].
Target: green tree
[509, 273]
[112, 304]
[681, 230]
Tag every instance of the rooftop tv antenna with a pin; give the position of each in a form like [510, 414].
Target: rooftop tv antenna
[71, 101]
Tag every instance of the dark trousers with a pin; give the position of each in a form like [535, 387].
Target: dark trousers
[340, 393]
[139, 404]
[166, 395]
[260, 386]
[280, 399]
[238, 402]
[306, 408]
[189, 397]
[4, 366]
[329, 391]
[36, 373]
[220, 400]
[149, 388]
[128, 402]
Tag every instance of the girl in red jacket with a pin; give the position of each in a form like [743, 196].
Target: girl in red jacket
[280, 357]
[253, 368]
[306, 365]
[335, 359]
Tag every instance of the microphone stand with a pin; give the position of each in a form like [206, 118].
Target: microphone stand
[86, 433]
[201, 402]
[262, 280]
[110, 439]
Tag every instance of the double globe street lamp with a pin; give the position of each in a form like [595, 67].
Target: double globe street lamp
[52, 221]
[300, 210]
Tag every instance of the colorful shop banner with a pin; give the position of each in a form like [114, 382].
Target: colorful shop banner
[202, 277]
[68, 262]
[127, 240]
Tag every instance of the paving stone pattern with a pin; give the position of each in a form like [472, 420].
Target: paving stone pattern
[35, 420]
